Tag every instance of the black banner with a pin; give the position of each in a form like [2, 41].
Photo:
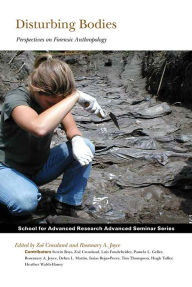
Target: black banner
[96, 228]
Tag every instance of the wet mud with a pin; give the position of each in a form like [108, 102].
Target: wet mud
[141, 173]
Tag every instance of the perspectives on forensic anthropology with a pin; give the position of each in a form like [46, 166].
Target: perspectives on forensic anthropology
[58, 39]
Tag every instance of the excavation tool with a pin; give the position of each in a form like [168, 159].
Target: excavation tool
[112, 117]
[110, 114]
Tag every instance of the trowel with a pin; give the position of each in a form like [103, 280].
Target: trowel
[110, 114]
[112, 117]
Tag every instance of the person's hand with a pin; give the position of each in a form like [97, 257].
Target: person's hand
[81, 152]
[90, 104]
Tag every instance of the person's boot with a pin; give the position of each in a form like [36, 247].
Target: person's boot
[78, 211]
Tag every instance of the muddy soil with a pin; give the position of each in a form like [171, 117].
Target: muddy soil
[141, 173]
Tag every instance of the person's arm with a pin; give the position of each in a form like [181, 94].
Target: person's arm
[70, 126]
[47, 121]
[80, 149]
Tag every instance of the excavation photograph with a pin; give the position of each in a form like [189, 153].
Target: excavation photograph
[96, 137]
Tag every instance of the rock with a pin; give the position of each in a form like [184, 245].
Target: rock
[152, 112]
[183, 138]
[167, 175]
[148, 196]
